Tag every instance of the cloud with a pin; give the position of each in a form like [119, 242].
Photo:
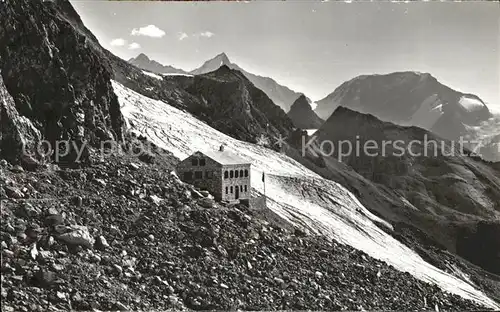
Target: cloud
[207, 34]
[118, 42]
[183, 35]
[134, 46]
[150, 31]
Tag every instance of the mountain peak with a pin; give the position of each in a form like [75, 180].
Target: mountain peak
[302, 97]
[144, 62]
[301, 102]
[302, 114]
[408, 98]
[279, 94]
[142, 57]
[223, 58]
[213, 64]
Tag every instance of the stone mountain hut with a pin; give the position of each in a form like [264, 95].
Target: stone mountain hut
[222, 173]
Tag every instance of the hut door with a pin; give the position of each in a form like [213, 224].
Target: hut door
[237, 193]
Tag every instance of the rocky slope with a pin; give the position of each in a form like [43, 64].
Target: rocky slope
[143, 61]
[303, 116]
[59, 83]
[449, 197]
[281, 95]
[488, 134]
[409, 98]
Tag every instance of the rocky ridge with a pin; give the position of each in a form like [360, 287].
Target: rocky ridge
[449, 194]
[235, 106]
[303, 116]
[59, 83]
[143, 61]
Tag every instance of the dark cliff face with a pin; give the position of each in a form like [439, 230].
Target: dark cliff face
[447, 198]
[303, 116]
[17, 133]
[57, 77]
[230, 103]
[481, 244]
[434, 173]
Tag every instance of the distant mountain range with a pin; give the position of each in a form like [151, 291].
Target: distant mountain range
[302, 114]
[143, 61]
[409, 98]
[279, 94]
[404, 98]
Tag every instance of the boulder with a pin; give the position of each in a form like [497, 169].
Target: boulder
[155, 199]
[196, 194]
[205, 193]
[206, 202]
[101, 243]
[77, 236]
[27, 210]
[133, 166]
[13, 192]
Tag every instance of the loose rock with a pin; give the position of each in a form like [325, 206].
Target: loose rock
[78, 235]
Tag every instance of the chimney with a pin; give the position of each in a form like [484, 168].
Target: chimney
[221, 148]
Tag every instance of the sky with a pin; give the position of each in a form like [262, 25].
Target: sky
[310, 46]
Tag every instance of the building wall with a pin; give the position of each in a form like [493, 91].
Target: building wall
[217, 184]
[232, 183]
[213, 184]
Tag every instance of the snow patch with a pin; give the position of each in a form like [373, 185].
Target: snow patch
[294, 192]
[310, 132]
[428, 113]
[470, 104]
[177, 74]
[152, 75]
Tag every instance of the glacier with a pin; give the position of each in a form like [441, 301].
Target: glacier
[470, 104]
[152, 75]
[294, 192]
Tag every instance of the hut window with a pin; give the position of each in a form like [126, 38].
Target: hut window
[194, 161]
[241, 188]
[241, 173]
[209, 174]
[226, 174]
[231, 190]
[202, 162]
[188, 175]
[226, 189]
[231, 174]
[245, 188]
[246, 173]
[198, 174]
[236, 173]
